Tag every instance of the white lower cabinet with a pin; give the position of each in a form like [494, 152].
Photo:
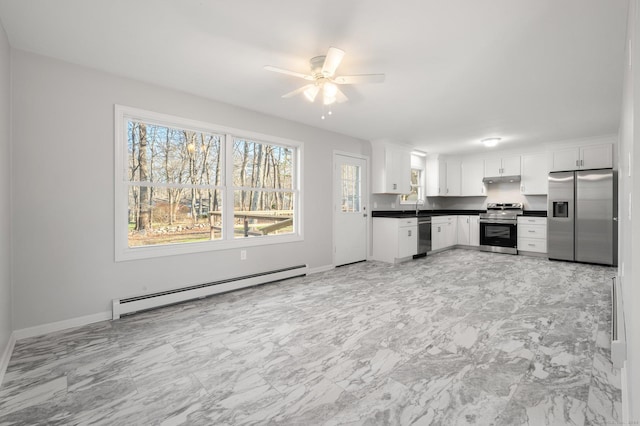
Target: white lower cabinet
[468, 231]
[394, 240]
[474, 231]
[464, 230]
[532, 234]
[444, 232]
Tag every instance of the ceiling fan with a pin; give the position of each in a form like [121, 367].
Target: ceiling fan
[323, 79]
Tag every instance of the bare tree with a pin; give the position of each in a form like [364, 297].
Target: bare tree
[144, 212]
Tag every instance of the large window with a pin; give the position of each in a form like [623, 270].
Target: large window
[184, 186]
[417, 181]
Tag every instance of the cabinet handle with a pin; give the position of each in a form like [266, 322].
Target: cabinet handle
[531, 245]
[438, 229]
[577, 163]
[582, 163]
[409, 233]
[395, 186]
[530, 230]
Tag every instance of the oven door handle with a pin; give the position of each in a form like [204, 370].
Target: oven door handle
[499, 221]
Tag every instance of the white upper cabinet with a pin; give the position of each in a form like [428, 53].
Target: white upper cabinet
[507, 166]
[391, 169]
[535, 172]
[583, 157]
[472, 172]
[443, 176]
[453, 178]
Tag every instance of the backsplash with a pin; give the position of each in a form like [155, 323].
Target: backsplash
[508, 192]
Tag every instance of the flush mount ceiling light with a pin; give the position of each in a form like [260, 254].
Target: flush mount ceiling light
[489, 142]
[323, 79]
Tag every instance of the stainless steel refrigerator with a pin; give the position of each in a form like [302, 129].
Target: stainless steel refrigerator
[582, 216]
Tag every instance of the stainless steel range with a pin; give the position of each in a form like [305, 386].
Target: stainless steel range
[498, 227]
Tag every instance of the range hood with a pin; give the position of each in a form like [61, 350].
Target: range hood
[501, 179]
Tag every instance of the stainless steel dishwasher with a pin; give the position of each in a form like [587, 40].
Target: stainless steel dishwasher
[424, 236]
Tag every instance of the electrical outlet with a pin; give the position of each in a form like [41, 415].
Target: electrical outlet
[243, 255]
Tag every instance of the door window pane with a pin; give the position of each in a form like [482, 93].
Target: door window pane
[351, 188]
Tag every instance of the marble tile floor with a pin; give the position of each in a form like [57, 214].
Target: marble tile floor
[461, 337]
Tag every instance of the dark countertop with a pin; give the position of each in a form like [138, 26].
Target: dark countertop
[423, 213]
[399, 214]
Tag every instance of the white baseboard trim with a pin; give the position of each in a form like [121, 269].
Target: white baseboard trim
[6, 356]
[39, 330]
[320, 269]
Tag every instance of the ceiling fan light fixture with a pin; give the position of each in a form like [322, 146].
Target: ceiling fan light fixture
[329, 92]
[311, 92]
[490, 142]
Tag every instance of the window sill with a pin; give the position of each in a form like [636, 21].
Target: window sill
[149, 252]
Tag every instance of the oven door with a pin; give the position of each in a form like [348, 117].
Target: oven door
[499, 237]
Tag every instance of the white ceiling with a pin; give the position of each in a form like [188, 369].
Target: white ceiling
[529, 71]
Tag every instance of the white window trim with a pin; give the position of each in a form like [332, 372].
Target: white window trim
[121, 187]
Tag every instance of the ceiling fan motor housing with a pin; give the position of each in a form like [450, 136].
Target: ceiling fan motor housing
[316, 66]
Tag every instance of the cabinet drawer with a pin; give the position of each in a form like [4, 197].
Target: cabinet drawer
[522, 220]
[531, 244]
[443, 219]
[408, 222]
[532, 231]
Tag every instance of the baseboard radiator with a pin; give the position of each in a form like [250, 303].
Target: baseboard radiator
[149, 301]
[618, 339]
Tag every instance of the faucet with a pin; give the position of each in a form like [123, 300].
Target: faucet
[418, 201]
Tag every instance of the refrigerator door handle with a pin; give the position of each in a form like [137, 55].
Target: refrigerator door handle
[615, 219]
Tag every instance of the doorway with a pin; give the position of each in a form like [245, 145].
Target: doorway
[350, 209]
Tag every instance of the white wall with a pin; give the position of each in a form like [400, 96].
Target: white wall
[629, 196]
[63, 184]
[5, 194]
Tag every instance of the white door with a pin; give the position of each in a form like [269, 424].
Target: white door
[350, 210]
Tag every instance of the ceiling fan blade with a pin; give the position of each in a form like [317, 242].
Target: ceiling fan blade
[341, 97]
[288, 72]
[332, 61]
[299, 90]
[359, 79]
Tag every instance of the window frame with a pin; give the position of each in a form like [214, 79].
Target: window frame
[123, 252]
[417, 163]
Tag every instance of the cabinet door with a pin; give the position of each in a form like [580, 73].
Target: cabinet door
[435, 172]
[453, 178]
[511, 166]
[471, 173]
[463, 230]
[451, 232]
[493, 167]
[407, 241]
[596, 157]
[398, 170]
[535, 175]
[437, 236]
[565, 159]
[474, 231]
